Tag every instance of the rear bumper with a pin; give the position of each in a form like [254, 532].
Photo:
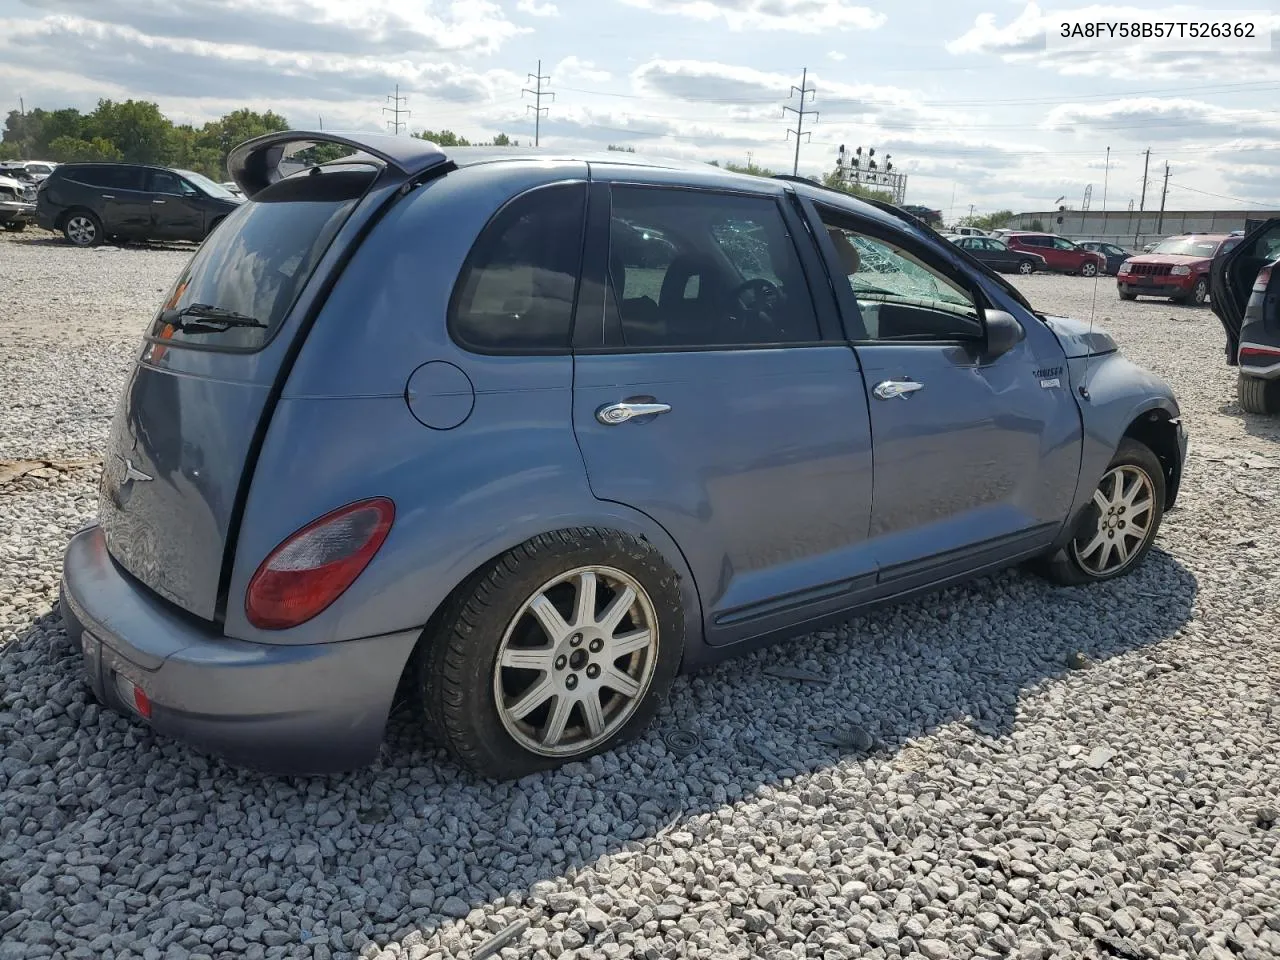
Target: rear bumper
[45, 217]
[280, 708]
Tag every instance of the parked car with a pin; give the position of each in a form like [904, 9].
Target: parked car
[360, 454]
[17, 204]
[1178, 268]
[92, 202]
[1115, 255]
[34, 171]
[1246, 299]
[971, 232]
[1060, 254]
[929, 216]
[997, 255]
[231, 187]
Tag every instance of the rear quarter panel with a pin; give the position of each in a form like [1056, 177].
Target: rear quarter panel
[343, 430]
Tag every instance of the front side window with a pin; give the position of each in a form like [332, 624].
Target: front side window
[162, 181]
[900, 297]
[695, 269]
[517, 288]
[121, 178]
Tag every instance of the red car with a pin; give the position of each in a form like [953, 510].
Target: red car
[1060, 254]
[1178, 268]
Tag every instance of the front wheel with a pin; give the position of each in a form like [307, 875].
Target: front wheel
[1026, 267]
[1089, 270]
[1257, 395]
[563, 648]
[1123, 519]
[1200, 293]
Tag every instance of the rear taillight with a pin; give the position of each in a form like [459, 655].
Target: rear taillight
[311, 568]
[1262, 279]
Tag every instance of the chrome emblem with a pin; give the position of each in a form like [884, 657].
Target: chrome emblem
[131, 472]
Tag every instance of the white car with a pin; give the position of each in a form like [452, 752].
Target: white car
[17, 204]
[971, 232]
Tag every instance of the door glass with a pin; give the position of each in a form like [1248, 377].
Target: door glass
[1061, 244]
[900, 297]
[120, 177]
[688, 268]
[517, 288]
[162, 181]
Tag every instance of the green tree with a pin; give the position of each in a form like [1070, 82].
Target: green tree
[73, 149]
[1037, 226]
[991, 220]
[238, 126]
[836, 182]
[443, 138]
[137, 128]
[751, 167]
[502, 140]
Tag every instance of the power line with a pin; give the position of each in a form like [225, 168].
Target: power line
[395, 110]
[1220, 196]
[537, 107]
[805, 91]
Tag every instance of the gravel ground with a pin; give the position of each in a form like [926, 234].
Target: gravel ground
[1001, 804]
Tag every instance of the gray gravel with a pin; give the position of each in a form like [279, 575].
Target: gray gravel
[954, 789]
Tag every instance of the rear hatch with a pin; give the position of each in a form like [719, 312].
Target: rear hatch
[186, 432]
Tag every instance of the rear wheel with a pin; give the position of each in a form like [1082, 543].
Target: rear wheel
[1089, 270]
[563, 648]
[1026, 267]
[1257, 395]
[1124, 517]
[82, 228]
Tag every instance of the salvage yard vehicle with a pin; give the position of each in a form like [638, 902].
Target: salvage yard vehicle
[620, 418]
[1059, 253]
[17, 204]
[995, 253]
[89, 203]
[1177, 268]
[1246, 299]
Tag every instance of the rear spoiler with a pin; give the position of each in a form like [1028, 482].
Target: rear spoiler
[255, 164]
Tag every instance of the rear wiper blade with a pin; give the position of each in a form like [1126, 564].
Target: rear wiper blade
[209, 319]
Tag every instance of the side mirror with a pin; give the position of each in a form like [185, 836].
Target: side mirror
[1004, 333]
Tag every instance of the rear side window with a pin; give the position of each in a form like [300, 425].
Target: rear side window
[243, 280]
[120, 178]
[516, 291]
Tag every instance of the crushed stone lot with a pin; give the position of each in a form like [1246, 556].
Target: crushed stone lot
[1001, 802]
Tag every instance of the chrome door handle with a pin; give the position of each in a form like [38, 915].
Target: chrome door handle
[108, 196]
[896, 388]
[612, 414]
[157, 201]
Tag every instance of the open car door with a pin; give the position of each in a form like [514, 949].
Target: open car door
[1232, 278]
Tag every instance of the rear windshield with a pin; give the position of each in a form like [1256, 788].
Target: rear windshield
[242, 281]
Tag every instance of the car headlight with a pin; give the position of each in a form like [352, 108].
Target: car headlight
[1181, 271]
[1126, 267]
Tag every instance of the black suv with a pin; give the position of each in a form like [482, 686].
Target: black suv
[89, 202]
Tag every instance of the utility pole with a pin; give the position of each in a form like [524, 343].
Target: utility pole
[538, 93]
[1164, 193]
[970, 220]
[395, 110]
[1142, 204]
[805, 91]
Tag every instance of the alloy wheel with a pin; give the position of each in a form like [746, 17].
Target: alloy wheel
[1089, 269]
[576, 661]
[1125, 501]
[1026, 267]
[81, 231]
[1201, 293]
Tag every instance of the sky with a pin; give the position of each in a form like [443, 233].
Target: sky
[965, 95]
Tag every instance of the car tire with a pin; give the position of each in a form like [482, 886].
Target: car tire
[1089, 270]
[1026, 267]
[1256, 395]
[1199, 294]
[82, 228]
[1107, 547]
[521, 639]
[1128, 296]
[15, 226]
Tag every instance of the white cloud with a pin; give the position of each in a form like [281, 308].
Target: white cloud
[535, 9]
[796, 16]
[1165, 119]
[835, 55]
[575, 68]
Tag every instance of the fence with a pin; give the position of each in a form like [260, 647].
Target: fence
[1133, 230]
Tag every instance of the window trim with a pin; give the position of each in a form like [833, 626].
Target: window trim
[906, 241]
[597, 262]
[455, 296]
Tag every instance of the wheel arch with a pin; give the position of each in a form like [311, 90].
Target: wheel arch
[1157, 429]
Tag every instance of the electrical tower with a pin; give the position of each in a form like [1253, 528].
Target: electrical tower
[396, 124]
[538, 93]
[805, 91]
